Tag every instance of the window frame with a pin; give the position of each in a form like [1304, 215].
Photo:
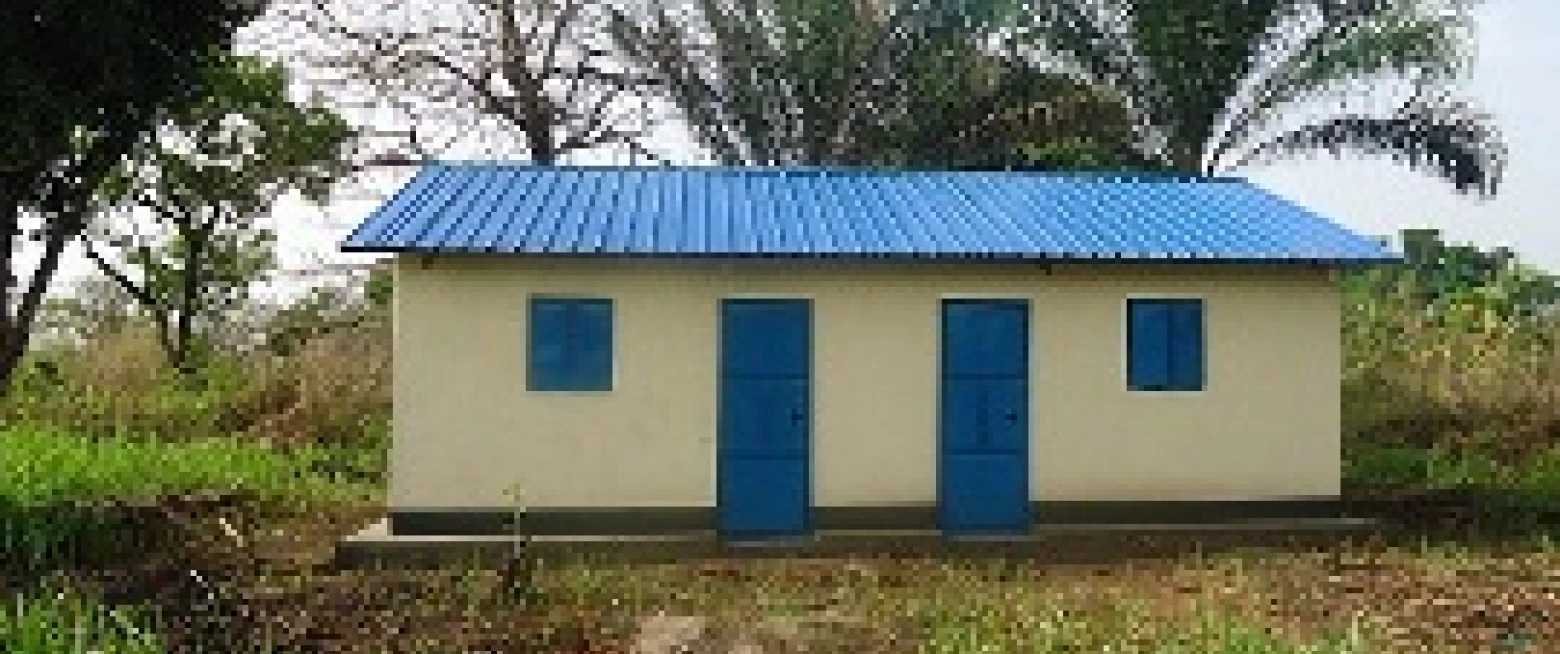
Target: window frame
[571, 379]
[1127, 345]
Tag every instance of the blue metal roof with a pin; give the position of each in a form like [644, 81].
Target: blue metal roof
[822, 212]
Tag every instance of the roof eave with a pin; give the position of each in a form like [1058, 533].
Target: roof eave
[879, 256]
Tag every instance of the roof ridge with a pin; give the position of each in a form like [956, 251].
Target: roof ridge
[825, 170]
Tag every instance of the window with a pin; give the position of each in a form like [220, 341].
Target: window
[570, 345]
[1165, 345]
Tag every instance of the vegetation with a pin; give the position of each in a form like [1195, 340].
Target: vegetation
[53, 467]
[209, 172]
[1458, 347]
[61, 621]
[280, 451]
[526, 78]
[154, 505]
[877, 83]
[84, 83]
[1213, 85]
[58, 496]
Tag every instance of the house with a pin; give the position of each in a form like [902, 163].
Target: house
[774, 351]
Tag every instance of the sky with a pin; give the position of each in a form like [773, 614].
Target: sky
[1515, 76]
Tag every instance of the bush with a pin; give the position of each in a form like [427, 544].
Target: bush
[333, 390]
[1422, 468]
[1457, 347]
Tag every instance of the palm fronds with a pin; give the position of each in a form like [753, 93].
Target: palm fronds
[1212, 85]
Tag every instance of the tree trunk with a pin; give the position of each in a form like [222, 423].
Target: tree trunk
[10, 215]
[16, 332]
[539, 140]
[184, 330]
[11, 343]
[65, 214]
[139, 293]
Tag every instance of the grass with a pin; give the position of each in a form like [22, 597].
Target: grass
[58, 496]
[1522, 490]
[1127, 628]
[61, 621]
[46, 466]
[1353, 600]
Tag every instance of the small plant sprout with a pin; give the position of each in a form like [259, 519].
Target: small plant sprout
[518, 570]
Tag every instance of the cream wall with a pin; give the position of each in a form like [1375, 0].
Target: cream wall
[466, 428]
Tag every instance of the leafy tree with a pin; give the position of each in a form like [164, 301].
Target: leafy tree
[891, 82]
[211, 171]
[80, 82]
[1218, 84]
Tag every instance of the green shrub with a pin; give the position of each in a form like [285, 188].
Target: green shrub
[1535, 484]
[1426, 468]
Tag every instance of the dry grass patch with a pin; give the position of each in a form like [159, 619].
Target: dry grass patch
[1368, 597]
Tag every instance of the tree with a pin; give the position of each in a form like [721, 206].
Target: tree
[211, 170]
[80, 82]
[499, 68]
[890, 82]
[1214, 85]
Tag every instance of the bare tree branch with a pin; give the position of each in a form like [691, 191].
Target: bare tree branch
[529, 64]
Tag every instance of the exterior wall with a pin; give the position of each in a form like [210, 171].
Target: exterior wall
[1267, 425]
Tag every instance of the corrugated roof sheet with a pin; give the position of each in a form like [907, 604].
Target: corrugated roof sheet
[819, 212]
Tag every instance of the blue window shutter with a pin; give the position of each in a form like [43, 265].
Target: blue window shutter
[1148, 345]
[549, 352]
[1186, 350]
[570, 345]
[591, 344]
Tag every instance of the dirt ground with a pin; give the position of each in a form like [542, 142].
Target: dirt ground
[241, 578]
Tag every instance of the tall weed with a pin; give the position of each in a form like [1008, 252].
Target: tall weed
[334, 389]
[1463, 372]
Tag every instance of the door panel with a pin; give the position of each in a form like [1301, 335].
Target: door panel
[765, 418]
[988, 336]
[766, 338]
[763, 496]
[985, 493]
[984, 417]
[763, 479]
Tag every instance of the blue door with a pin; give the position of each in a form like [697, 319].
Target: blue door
[983, 480]
[765, 417]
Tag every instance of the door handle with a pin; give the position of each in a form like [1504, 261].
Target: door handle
[1011, 416]
[797, 415]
